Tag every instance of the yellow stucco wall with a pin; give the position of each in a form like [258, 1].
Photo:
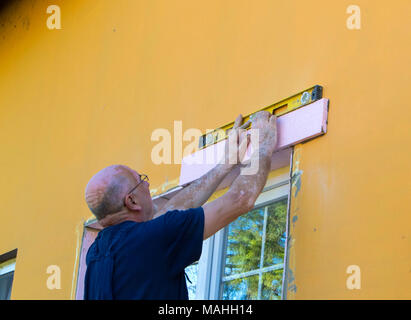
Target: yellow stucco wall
[75, 100]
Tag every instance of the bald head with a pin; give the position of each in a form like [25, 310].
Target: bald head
[106, 190]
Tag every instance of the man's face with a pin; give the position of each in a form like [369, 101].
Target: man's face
[143, 195]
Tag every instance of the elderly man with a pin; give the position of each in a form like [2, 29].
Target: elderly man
[142, 251]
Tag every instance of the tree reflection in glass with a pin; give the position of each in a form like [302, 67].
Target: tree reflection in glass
[275, 233]
[243, 253]
[272, 282]
[192, 273]
[241, 289]
[244, 243]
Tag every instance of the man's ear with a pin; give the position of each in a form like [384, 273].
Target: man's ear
[132, 203]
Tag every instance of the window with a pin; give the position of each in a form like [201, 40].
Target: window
[254, 254]
[7, 267]
[191, 273]
[245, 260]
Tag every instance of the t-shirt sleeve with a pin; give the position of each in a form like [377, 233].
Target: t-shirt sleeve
[184, 231]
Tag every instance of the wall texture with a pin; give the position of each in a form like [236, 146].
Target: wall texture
[75, 100]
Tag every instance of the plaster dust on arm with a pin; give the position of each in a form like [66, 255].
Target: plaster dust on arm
[199, 191]
[245, 189]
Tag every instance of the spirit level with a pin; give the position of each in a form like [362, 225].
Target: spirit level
[284, 106]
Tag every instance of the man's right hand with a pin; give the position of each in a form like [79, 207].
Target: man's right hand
[266, 124]
[243, 192]
[237, 142]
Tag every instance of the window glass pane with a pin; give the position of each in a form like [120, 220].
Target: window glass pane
[6, 281]
[192, 272]
[243, 254]
[241, 289]
[244, 239]
[271, 286]
[275, 233]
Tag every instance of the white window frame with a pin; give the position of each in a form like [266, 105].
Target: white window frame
[7, 267]
[209, 279]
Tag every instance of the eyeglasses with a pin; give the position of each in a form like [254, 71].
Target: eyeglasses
[143, 178]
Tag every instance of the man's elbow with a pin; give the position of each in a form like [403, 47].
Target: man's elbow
[243, 201]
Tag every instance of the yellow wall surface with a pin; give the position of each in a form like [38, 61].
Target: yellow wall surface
[75, 100]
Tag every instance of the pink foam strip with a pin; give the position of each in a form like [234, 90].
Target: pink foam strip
[297, 126]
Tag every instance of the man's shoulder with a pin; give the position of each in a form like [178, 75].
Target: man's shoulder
[179, 217]
[109, 237]
[180, 213]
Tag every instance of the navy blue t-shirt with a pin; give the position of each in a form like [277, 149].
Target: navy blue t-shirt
[145, 260]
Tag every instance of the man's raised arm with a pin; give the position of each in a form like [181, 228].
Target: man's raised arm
[200, 190]
[245, 189]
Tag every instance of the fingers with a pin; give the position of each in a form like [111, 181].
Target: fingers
[260, 116]
[260, 119]
[245, 125]
[237, 125]
[244, 142]
[238, 121]
[273, 120]
[242, 133]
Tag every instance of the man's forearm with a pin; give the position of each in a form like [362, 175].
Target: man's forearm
[245, 189]
[250, 186]
[199, 191]
[241, 196]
